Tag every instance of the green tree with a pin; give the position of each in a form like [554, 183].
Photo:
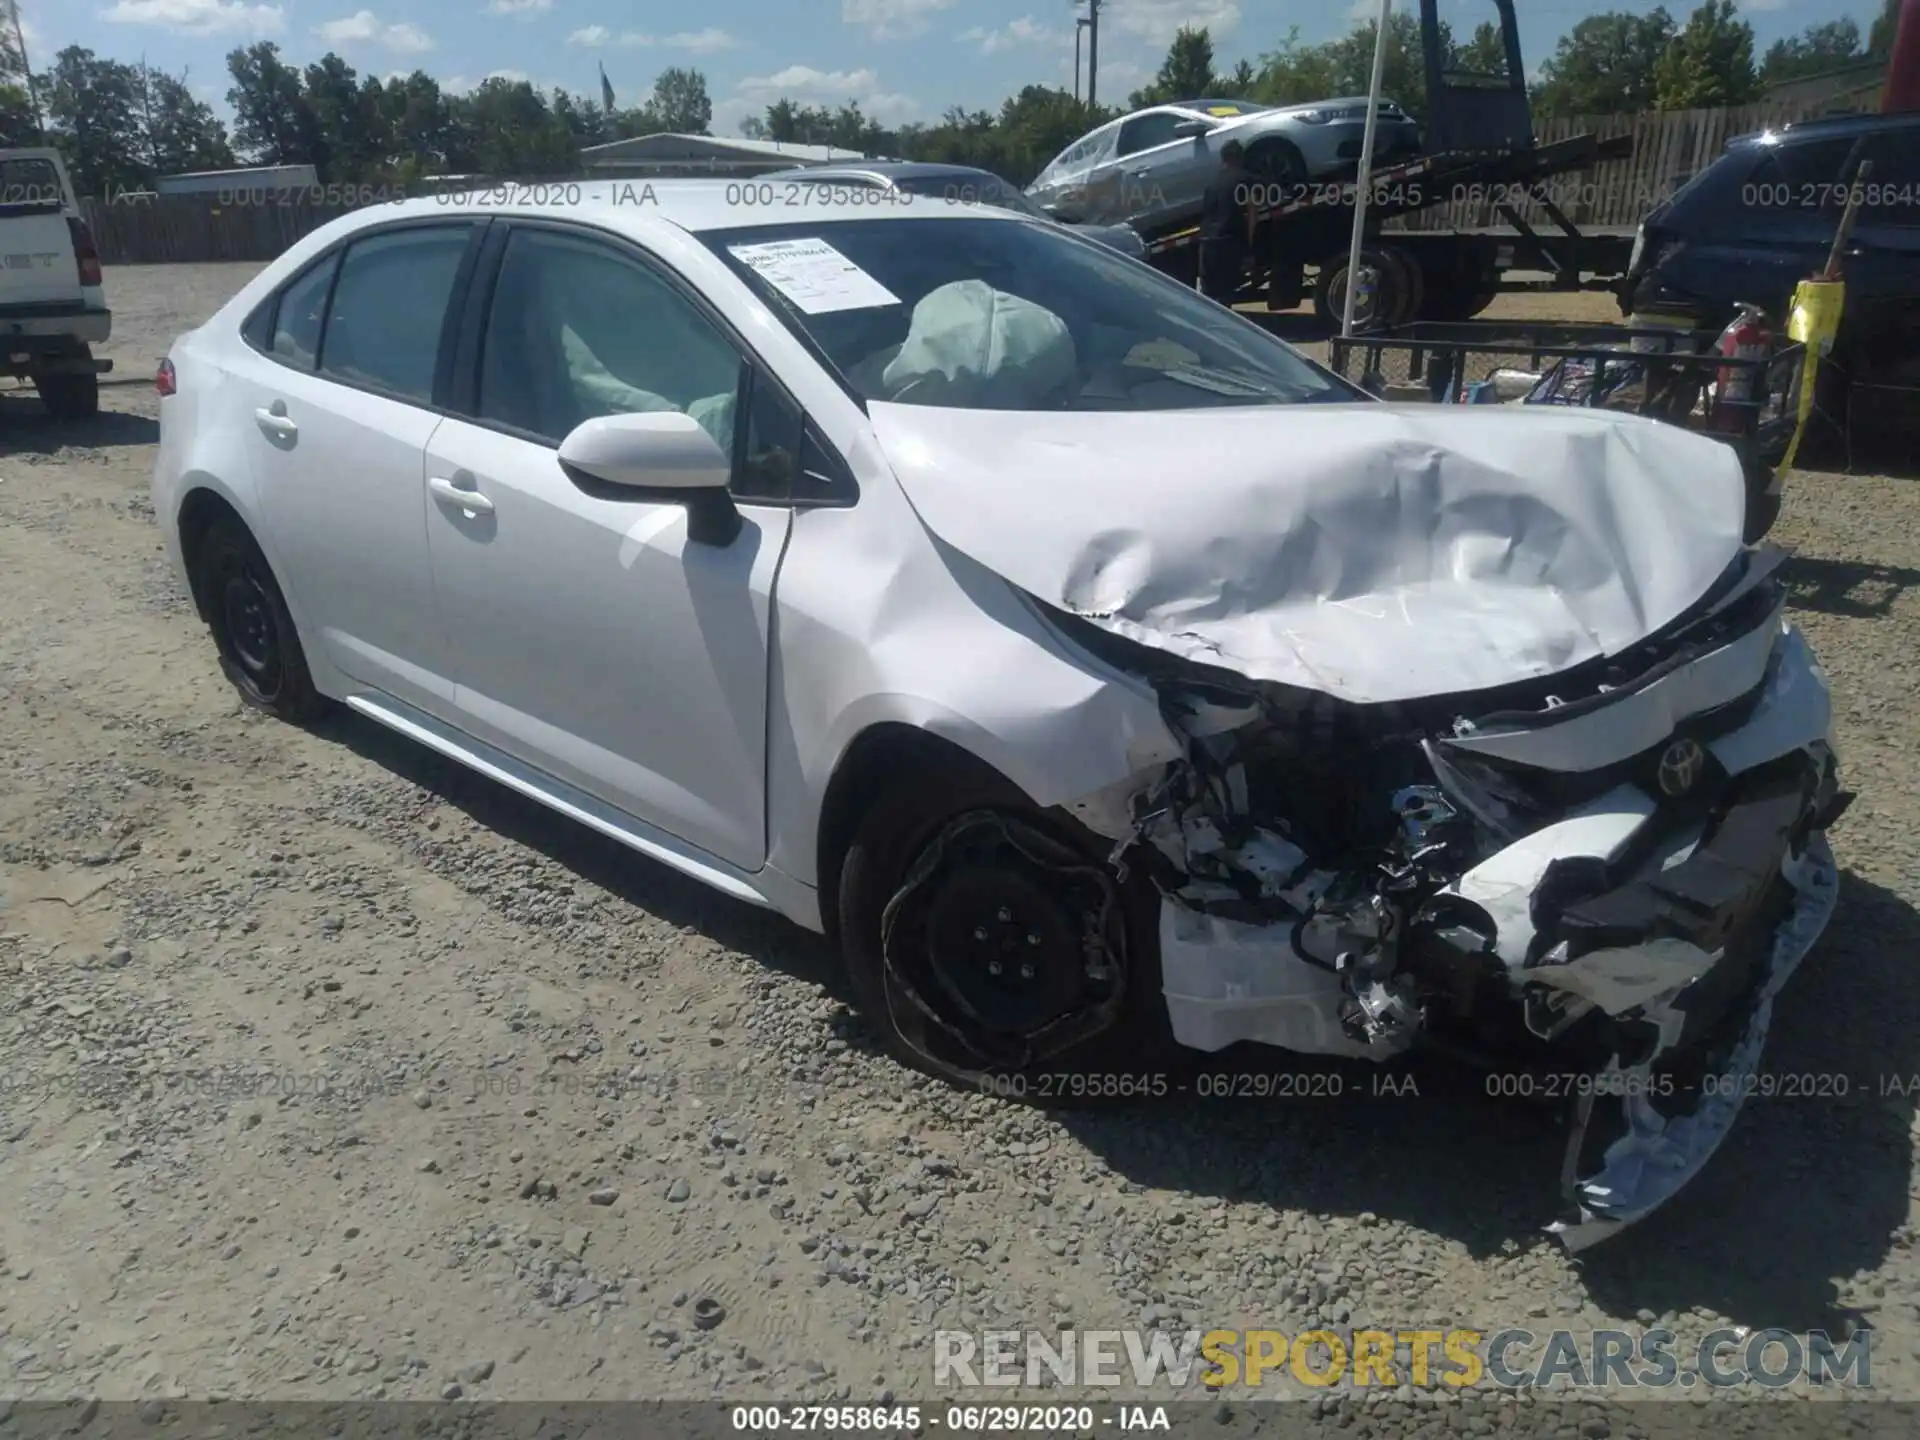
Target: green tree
[416, 119]
[1886, 26]
[271, 122]
[18, 122]
[1710, 62]
[182, 132]
[1484, 54]
[1605, 65]
[504, 128]
[346, 120]
[1296, 74]
[680, 104]
[94, 117]
[1186, 73]
[1817, 48]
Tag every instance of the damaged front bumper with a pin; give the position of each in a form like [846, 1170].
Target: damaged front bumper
[1618, 885]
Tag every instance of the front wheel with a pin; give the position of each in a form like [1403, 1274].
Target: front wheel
[990, 946]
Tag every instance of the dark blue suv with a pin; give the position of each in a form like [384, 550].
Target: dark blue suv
[1761, 218]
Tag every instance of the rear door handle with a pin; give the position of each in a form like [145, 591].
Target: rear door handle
[273, 420]
[447, 492]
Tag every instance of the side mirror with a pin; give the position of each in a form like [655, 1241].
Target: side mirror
[659, 455]
[1191, 129]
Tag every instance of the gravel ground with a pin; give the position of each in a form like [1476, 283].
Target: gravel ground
[329, 1071]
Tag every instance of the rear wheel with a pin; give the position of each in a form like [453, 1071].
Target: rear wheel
[69, 397]
[1330, 291]
[990, 946]
[252, 628]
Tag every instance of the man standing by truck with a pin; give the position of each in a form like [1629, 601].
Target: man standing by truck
[1226, 226]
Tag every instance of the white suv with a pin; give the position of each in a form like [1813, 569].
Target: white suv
[53, 304]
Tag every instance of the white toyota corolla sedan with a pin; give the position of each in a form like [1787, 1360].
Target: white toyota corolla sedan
[1108, 678]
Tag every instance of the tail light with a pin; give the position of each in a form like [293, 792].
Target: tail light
[85, 254]
[164, 380]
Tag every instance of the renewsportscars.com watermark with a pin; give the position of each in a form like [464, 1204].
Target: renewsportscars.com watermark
[1513, 1359]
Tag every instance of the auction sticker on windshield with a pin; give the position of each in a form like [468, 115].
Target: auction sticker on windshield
[814, 275]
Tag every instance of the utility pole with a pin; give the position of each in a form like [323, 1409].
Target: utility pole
[1078, 26]
[1093, 52]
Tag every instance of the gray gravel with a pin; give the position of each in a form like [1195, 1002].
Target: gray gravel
[331, 1071]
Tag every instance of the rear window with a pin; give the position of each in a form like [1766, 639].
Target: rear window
[963, 189]
[30, 185]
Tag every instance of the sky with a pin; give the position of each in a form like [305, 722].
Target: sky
[900, 59]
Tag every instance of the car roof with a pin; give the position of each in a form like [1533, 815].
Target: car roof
[1828, 126]
[886, 170]
[694, 205]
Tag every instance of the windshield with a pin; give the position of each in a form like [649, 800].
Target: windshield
[995, 314]
[981, 189]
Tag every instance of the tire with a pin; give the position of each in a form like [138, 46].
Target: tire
[1330, 307]
[1276, 162]
[1410, 285]
[976, 908]
[69, 397]
[260, 650]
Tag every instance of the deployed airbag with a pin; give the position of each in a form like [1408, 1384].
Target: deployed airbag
[974, 346]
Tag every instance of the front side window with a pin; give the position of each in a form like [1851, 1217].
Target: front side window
[997, 313]
[300, 313]
[389, 305]
[578, 330]
[1143, 132]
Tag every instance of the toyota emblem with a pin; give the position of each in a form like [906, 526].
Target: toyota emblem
[1681, 768]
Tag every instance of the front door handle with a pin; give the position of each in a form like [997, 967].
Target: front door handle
[450, 493]
[274, 422]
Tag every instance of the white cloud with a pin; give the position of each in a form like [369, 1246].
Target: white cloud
[699, 42]
[1024, 31]
[199, 17]
[364, 27]
[888, 19]
[1157, 20]
[518, 7]
[805, 85]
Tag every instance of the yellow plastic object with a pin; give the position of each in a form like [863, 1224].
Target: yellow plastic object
[1814, 321]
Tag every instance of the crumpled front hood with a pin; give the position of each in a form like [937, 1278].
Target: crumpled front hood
[1373, 552]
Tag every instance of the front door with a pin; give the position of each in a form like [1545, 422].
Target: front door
[590, 637]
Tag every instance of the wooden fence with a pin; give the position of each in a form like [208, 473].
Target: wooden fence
[1668, 148]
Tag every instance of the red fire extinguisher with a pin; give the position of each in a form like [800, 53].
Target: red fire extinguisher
[1738, 388]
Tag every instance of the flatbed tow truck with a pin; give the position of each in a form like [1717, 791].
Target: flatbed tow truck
[1480, 143]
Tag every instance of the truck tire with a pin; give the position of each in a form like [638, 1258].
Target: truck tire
[1411, 284]
[69, 397]
[1330, 290]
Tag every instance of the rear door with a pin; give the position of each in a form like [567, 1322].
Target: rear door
[340, 405]
[39, 272]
